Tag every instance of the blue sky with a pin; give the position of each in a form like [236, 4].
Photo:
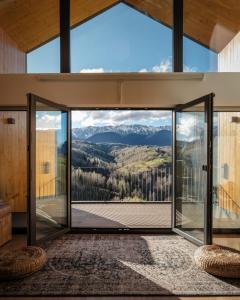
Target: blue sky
[121, 40]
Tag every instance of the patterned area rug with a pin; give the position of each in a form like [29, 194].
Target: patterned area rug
[120, 265]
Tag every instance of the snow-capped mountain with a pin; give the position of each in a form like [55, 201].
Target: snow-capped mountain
[123, 130]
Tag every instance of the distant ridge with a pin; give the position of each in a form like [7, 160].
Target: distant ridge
[159, 138]
[123, 134]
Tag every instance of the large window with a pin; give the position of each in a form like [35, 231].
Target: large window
[120, 36]
[122, 39]
[122, 157]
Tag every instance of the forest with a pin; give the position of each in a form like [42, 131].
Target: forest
[109, 170]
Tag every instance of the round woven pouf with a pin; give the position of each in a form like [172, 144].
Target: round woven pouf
[218, 260]
[21, 263]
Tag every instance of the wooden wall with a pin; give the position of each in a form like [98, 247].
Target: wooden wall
[229, 57]
[46, 163]
[12, 60]
[13, 160]
[229, 162]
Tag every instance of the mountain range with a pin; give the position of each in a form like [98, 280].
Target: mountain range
[125, 134]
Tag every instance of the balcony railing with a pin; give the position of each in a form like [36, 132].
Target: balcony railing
[93, 184]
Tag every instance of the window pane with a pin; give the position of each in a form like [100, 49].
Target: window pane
[226, 208]
[191, 180]
[45, 59]
[51, 170]
[211, 35]
[122, 39]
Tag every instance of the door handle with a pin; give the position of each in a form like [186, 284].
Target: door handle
[205, 168]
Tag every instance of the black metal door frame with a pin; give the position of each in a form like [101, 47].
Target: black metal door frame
[31, 121]
[207, 100]
[31, 171]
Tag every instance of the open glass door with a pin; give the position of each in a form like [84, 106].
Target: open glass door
[48, 169]
[192, 209]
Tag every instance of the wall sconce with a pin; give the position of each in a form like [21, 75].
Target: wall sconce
[45, 167]
[11, 121]
[225, 171]
[235, 119]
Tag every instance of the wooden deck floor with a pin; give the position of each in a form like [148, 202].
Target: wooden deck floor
[121, 215]
[143, 215]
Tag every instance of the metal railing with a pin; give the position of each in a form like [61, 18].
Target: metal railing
[51, 189]
[93, 184]
[226, 201]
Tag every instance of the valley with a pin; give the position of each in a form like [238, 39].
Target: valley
[125, 164]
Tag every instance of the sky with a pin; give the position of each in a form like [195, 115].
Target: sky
[120, 117]
[83, 118]
[186, 122]
[121, 40]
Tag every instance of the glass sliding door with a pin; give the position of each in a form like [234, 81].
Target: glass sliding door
[193, 170]
[48, 157]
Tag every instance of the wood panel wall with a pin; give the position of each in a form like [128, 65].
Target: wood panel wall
[13, 160]
[46, 163]
[12, 60]
[229, 57]
[229, 162]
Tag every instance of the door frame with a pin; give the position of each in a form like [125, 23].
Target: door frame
[208, 223]
[31, 171]
[141, 230]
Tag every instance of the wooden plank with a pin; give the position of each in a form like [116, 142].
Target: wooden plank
[12, 60]
[5, 228]
[228, 58]
[229, 156]
[13, 162]
[46, 149]
[31, 23]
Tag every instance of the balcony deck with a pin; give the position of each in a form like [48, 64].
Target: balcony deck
[144, 215]
[121, 215]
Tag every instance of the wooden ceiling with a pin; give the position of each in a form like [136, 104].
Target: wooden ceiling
[31, 23]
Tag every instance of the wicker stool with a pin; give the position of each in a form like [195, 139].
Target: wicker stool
[21, 263]
[218, 260]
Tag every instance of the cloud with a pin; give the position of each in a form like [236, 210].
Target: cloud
[96, 70]
[118, 117]
[190, 126]
[189, 69]
[166, 66]
[47, 121]
[143, 71]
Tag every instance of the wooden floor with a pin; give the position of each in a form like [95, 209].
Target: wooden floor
[121, 215]
[142, 215]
